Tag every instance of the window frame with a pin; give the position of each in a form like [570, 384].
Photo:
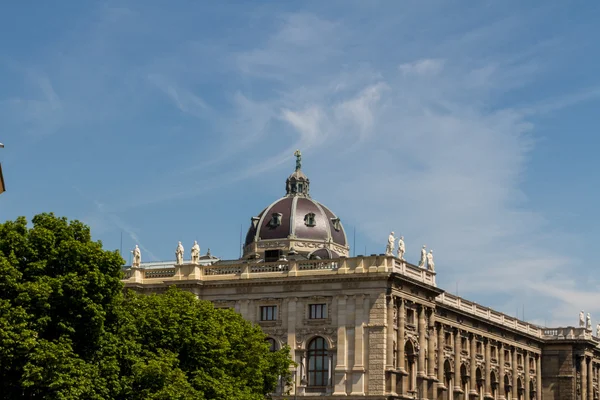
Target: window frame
[317, 370]
[310, 219]
[268, 313]
[316, 309]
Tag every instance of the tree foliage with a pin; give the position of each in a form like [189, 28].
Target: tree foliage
[68, 331]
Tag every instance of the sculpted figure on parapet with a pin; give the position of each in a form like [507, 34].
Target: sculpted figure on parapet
[389, 249]
[137, 256]
[401, 248]
[588, 322]
[430, 263]
[597, 330]
[423, 257]
[195, 253]
[179, 253]
[581, 319]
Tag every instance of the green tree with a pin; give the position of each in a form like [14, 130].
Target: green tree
[67, 331]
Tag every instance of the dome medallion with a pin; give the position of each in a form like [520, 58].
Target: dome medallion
[296, 226]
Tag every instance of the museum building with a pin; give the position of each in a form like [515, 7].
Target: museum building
[373, 326]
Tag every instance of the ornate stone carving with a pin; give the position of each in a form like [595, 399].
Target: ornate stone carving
[401, 248]
[179, 253]
[581, 318]
[195, 252]
[430, 263]
[389, 249]
[137, 256]
[423, 259]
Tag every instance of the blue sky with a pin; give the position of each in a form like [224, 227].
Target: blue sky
[467, 126]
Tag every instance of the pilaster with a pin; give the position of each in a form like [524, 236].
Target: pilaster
[473, 356]
[583, 377]
[457, 350]
[590, 380]
[421, 359]
[431, 347]
[501, 371]
[488, 369]
[440, 354]
[515, 372]
[341, 365]
[358, 369]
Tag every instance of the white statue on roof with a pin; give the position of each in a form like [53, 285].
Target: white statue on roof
[137, 256]
[195, 253]
[179, 253]
[401, 248]
[389, 249]
[581, 319]
[430, 263]
[423, 257]
[588, 322]
[598, 330]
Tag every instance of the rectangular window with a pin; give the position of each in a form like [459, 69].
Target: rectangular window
[519, 359]
[410, 316]
[447, 338]
[506, 356]
[493, 352]
[317, 311]
[268, 313]
[272, 255]
[479, 348]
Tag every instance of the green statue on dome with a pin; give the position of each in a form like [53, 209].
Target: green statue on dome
[298, 160]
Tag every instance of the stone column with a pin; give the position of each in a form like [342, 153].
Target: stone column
[583, 378]
[457, 351]
[538, 374]
[390, 336]
[358, 370]
[526, 370]
[515, 375]
[421, 361]
[341, 365]
[389, 358]
[431, 346]
[590, 380]
[440, 343]
[501, 372]
[473, 356]
[488, 369]
[401, 322]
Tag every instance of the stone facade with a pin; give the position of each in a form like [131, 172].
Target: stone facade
[375, 326]
[389, 332]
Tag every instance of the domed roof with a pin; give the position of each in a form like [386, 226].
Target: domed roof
[297, 224]
[299, 218]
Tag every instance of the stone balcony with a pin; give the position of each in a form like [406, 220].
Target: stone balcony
[165, 273]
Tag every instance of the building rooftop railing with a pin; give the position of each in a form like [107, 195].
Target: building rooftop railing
[153, 273]
[569, 333]
[487, 313]
[167, 272]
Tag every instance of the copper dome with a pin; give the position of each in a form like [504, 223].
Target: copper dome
[296, 224]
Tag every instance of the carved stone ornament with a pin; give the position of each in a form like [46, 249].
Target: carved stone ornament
[304, 333]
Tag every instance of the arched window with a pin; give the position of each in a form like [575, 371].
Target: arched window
[448, 376]
[506, 386]
[532, 390]
[272, 344]
[410, 365]
[318, 363]
[494, 385]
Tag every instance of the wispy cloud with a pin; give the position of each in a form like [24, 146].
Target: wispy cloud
[110, 217]
[184, 99]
